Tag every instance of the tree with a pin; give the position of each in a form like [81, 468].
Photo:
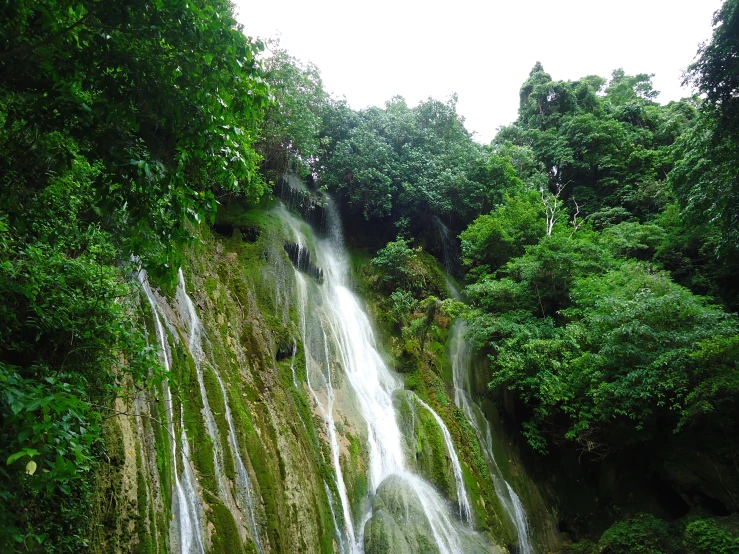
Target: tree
[493, 239]
[290, 133]
[716, 71]
[405, 163]
[635, 351]
[706, 175]
[624, 88]
[168, 94]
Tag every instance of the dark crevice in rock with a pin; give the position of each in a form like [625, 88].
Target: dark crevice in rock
[224, 229]
[310, 205]
[248, 234]
[285, 350]
[300, 257]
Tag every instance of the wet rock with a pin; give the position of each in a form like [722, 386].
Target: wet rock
[398, 522]
[301, 259]
[310, 204]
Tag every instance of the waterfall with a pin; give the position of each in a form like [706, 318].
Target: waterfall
[331, 314]
[521, 521]
[449, 247]
[464, 502]
[244, 497]
[292, 365]
[313, 368]
[333, 517]
[211, 426]
[460, 355]
[187, 510]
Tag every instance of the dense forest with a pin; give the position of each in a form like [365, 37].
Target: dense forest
[591, 251]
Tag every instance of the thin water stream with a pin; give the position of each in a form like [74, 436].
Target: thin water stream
[244, 497]
[464, 503]
[195, 347]
[186, 529]
[461, 357]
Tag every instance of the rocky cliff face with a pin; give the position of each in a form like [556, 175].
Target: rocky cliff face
[259, 440]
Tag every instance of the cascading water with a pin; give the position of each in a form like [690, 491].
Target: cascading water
[460, 355]
[318, 366]
[244, 495]
[338, 532]
[449, 245]
[331, 313]
[464, 503]
[292, 365]
[196, 350]
[187, 511]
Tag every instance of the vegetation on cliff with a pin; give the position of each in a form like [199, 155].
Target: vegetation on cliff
[119, 124]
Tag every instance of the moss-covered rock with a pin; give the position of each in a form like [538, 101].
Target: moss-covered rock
[400, 523]
[423, 444]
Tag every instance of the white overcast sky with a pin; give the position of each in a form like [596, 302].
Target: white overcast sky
[483, 51]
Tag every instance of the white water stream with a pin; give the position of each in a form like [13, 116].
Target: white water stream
[318, 367]
[333, 322]
[460, 355]
[244, 497]
[464, 502]
[187, 510]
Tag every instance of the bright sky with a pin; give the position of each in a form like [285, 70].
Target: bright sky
[482, 50]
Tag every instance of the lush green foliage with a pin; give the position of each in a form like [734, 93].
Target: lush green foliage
[569, 293]
[642, 534]
[119, 123]
[706, 175]
[603, 144]
[290, 133]
[493, 239]
[405, 163]
[626, 363]
[704, 536]
[160, 97]
[396, 262]
[416, 309]
[646, 534]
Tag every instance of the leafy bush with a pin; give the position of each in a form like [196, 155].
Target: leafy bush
[642, 534]
[706, 537]
[394, 262]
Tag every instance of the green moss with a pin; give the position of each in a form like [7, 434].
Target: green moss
[201, 445]
[431, 454]
[433, 274]
[218, 408]
[163, 448]
[225, 536]
[261, 454]
[355, 471]
[148, 317]
[145, 527]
